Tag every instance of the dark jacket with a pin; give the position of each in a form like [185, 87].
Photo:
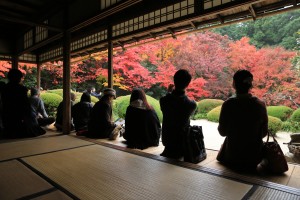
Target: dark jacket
[100, 124]
[81, 112]
[244, 122]
[177, 109]
[142, 128]
[37, 106]
[18, 118]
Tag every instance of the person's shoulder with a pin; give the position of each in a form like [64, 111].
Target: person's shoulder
[258, 101]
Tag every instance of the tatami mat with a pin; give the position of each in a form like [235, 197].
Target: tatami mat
[98, 172]
[271, 194]
[18, 181]
[37, 146]
[56, 195]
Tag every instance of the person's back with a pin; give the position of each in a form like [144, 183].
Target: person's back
[81, 112]
[244, 122]
[100, 124]
[38, 108]
[59, 113]
[142, 127]
[15, 106]
[177, 109]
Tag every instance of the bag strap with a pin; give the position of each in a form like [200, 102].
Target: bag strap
[272, 137]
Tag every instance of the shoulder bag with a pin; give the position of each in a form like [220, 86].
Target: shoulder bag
[194, 148]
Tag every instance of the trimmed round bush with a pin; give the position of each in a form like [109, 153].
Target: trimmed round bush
[296, 115]
[214, 114]
[56, 91]
[281, 112]
[51, 102]
[199, 116]
[121, 104]
[274, 125]
[206, 105]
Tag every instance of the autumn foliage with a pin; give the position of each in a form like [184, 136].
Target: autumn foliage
[211, 58]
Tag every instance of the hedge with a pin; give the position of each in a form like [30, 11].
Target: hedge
[296, 115]
[206, 105]
[77, 94]
[51, 101]
[281, 112]
[214, 114]
[274, 125]
[121, 104]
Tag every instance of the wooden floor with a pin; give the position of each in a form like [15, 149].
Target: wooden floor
[69, 167]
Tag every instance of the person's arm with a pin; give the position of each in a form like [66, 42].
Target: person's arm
[223, 123]
[264, 121]
[41, 109]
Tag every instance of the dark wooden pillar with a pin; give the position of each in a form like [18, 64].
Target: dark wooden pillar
[15, 62]
[110, 58]
[38, 72]
[66, 75]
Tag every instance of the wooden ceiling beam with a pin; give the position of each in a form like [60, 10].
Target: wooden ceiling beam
[253, 12]
[28, 22]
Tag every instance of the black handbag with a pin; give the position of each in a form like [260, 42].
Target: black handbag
[194, 148]
[276, 162]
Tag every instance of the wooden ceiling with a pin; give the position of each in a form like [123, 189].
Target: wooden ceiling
[36, 26]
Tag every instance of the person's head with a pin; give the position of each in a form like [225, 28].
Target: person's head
[139, 94]
[91, 89]
[73, 96]
[109, 94]
[85, 97]
[34, 92]
[182, 79]
[242, 81]
[14, 76]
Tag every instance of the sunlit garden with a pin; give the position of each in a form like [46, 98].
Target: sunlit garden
[269, 50]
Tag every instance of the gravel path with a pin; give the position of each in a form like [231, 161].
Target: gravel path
[214, 141]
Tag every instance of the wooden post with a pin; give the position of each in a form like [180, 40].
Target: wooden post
[66, 75]
[38, 72]
[110, 58]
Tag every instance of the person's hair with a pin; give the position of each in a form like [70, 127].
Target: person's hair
[73, 96]
[243, 81]
[140, 94]
[14, 75]
[85, 97]
[182, 79]
[34, 91]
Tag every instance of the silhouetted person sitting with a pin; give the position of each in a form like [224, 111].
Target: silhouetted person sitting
[2, 84]
[244, 122]
[100, 124]
[59, 113]
[81, 112]
[38, 108]
[142, 127]
[177, 109]
[18, 120]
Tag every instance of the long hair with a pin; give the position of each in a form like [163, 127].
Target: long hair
[140, 94]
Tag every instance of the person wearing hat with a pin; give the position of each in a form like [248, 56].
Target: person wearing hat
[101, 124]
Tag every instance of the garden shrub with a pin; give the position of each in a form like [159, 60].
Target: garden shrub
[56, 91]
[281, 112]
[206, 105]
[200, 116]
[274, 125]
[121, 104]
[51, 101]
[291, 126]
[214, 114]
[296, 115]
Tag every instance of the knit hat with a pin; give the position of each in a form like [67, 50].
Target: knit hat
[110, 92]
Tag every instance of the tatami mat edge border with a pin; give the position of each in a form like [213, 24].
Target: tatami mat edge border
[56, 185]
[220, 173]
